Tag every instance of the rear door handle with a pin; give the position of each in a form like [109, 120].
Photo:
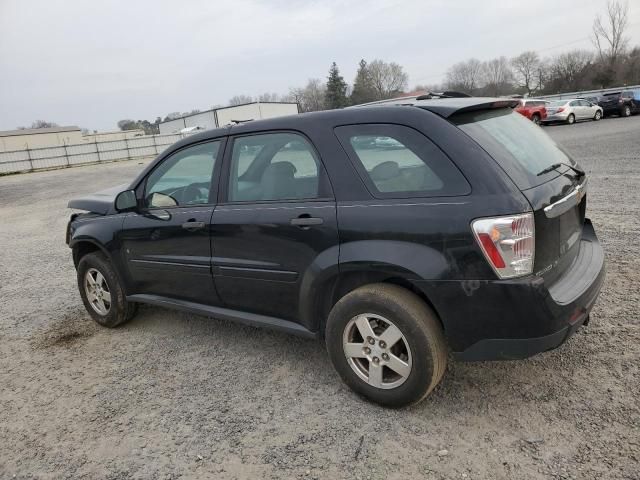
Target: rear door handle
[306, 221]
[192, 226]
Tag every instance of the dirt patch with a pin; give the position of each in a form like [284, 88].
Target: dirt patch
[72, 328]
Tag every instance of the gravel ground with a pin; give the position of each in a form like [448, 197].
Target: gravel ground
[175, 395]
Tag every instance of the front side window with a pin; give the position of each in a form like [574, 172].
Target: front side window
[274, 166]
[398, 161]
[184, 178]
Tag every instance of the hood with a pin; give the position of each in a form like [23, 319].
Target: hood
[100, 202]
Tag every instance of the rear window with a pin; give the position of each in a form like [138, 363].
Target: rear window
[521, 148]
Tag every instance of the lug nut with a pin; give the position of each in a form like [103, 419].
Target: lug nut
[376, 360]
[385, 357]
[383, 344]
[367, 350]
[371, 340]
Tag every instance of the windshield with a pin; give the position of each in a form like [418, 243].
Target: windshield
[521, 148]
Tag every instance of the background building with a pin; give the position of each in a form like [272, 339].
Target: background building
[219, 117]
[39, 137]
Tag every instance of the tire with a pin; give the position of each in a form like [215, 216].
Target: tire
[626, 111]
[597, 116]
[421, 346]
[571, 119]
[535, 118]
[107, 304]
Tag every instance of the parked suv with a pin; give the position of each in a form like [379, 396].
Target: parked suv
[620, 103]
[534, 110]
[396, 234]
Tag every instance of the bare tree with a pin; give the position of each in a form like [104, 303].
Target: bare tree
[240, 99]
[43, 124]
[465, 76]
[311, 98]
[498, 77]
[568, 71]
[269, 97]
[526, 69]
[387, 79]
[609, 33]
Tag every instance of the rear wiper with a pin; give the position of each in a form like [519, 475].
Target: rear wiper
[555, 166]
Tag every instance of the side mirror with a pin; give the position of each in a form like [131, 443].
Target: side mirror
[126, 201]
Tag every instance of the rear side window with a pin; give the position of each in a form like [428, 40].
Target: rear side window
[396, 161]
[274, 166]
[521, 148]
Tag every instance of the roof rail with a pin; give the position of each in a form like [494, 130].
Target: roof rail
[448, 94]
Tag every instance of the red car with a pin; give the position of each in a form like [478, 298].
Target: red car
[534, 110]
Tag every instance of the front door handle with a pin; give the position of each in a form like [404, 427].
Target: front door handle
[193, 226]
[306, 221]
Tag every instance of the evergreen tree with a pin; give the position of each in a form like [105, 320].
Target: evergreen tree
[336, 89]
[363, 91]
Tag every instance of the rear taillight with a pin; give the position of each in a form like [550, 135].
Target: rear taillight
[507, 243]
[561, 109]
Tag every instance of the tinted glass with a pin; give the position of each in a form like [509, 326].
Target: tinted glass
[521, 148]
[184, 178]
[275, 166]
[397, 161]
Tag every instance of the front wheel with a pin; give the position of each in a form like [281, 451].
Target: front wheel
[536, 119]
[597, 116]
[101, 292]
[571, 119]
[386, 344]
[626, 111]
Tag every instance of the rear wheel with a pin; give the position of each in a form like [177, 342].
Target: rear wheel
[597, 116]
[571, 119]
[101, 292]
[386, 344]
[626, 111]
[535, 118]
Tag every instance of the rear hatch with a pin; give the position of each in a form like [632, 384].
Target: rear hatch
[544, 173]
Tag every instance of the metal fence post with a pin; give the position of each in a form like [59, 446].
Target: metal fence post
[66, 152]
[126, 144]
[155, 145]
[29, 158]
[95, 139]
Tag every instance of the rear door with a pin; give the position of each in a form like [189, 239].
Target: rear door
[277, 216]
[557, 195]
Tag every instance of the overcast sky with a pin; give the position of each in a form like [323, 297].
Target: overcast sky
[92, 63]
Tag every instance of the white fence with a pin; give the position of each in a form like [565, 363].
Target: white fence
[68, 155]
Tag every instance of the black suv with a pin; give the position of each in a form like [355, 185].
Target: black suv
[620, 103]
[394, 233]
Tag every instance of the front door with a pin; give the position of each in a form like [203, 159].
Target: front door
[166, 244]
[277, 219]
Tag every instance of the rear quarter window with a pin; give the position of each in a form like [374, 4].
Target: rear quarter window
[396, 161]
[521, 148]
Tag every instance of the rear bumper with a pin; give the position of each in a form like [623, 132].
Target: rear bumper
[514, 319]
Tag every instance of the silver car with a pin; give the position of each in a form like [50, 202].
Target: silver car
[572, 110]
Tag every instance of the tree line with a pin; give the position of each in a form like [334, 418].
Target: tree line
[611, 63]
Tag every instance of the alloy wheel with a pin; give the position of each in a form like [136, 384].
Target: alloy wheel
[97, 291]
[377, 351]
